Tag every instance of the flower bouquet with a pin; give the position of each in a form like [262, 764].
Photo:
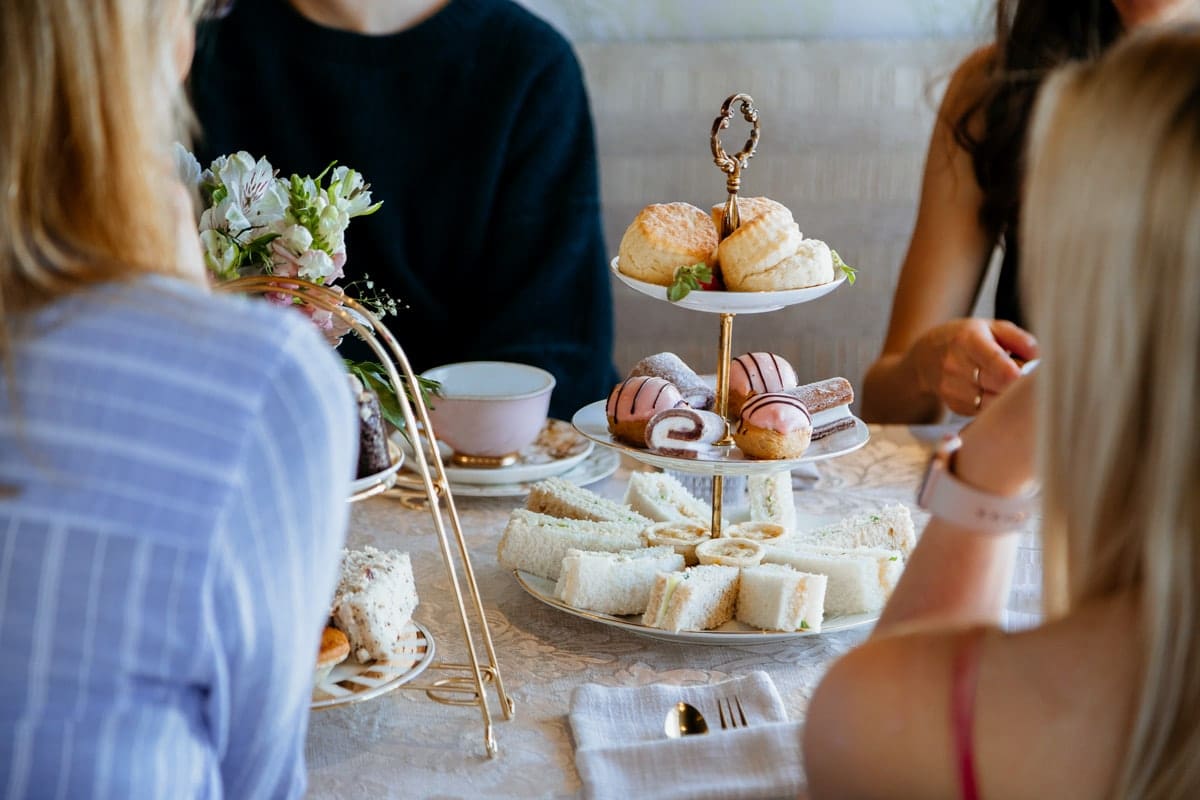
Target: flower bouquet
[257, 223]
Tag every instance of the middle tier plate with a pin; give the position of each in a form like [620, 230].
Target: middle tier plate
[592, 422]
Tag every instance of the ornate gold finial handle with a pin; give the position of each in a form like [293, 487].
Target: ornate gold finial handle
[732, 166]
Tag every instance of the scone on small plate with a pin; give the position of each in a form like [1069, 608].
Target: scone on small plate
[664, 237]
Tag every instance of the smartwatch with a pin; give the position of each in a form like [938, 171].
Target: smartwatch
[944, 496]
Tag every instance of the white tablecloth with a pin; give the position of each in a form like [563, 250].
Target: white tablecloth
[403, 745]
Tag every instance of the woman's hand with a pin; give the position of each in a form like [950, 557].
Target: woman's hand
[967, 363]
[999, 449]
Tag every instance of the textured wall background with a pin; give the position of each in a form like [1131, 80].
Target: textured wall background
[706, 20]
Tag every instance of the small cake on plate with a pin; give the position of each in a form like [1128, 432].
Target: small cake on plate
[773, 426]
[756, 373]
[335, 647]
[633, 402]
[374, 601]
[373, 455]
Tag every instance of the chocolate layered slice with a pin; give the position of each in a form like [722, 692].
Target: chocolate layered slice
[829, 403]
[373, 456]
[684, 432]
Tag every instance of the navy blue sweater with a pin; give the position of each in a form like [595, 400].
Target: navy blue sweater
[473, 128]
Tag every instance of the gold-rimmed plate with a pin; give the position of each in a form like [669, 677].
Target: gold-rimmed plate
[350, 682]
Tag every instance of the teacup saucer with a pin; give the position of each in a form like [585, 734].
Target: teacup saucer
[558, 448]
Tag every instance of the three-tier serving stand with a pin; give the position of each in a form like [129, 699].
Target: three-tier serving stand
[464, 684]
[725, 459]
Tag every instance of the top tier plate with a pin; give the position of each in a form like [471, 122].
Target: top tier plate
[731, 302]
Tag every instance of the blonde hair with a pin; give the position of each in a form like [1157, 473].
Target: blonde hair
[1111, 260]
[92, 103]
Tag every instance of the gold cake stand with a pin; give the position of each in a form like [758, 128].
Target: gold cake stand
[466, 684]
[732, 166]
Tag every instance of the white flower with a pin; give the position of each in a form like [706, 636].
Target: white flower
[186, 165]
[254, 198]
[296, 238]
[349, 192]
[316, 266]
[220, 254]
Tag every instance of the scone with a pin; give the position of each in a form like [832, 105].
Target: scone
[810, 265]
[757, 245]
[335, 647]
[773, 426]
[755, 373]
[664, 237]
[749, 208]
[633, 402]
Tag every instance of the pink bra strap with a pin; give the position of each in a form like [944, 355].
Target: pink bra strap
[964, 676]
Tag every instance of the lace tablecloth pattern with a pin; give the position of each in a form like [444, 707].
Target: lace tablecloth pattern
[404, 745]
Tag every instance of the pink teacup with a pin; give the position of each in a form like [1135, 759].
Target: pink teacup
[490, 409]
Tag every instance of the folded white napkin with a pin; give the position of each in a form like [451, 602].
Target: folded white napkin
[622, 752]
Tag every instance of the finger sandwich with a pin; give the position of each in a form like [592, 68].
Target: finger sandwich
[771, 499]
[697, 599]
[776, 597]
[891, 528]
[561, 498]
[858, 582]
[613, 583]
[537, 543]
[663, 498]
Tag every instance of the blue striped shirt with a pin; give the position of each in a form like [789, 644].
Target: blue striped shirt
[173, 477]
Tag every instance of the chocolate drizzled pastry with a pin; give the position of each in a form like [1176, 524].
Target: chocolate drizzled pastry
[373, 456]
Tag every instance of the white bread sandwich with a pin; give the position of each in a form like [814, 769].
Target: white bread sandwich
[730, 552]
[854, 585]
[663, 498]
[890, 528]
[561, 498]
[697, 599]
[613, 583]
[776, 597]
[889, 563]
[374, 601]
[771, 499]
[537, 543]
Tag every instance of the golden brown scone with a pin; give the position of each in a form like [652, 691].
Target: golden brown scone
[664, 237]
[810, 265]
[749, 208]
[757, 245]
[335, 648]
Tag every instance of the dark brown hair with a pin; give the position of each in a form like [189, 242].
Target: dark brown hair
[1032, 38]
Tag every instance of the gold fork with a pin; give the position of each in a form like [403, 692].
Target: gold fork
[726, 713]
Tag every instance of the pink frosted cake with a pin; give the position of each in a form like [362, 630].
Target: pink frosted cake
[633, 402]
[757, 373]
[773, 425]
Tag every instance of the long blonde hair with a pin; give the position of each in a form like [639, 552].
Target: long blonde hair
[91, 103]
[1111, 260]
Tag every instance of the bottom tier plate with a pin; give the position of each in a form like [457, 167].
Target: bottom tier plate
[592, 423]
[351, 682]
[731, 633]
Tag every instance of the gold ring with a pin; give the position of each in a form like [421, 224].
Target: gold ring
[975, 380]
[978, 401]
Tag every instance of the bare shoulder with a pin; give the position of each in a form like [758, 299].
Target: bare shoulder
[880, 723]
[969, 80]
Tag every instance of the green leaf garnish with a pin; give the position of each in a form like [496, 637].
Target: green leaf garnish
[803, 624]
[894, 558]
[850, 272]
[688, 279]
[374, 377]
